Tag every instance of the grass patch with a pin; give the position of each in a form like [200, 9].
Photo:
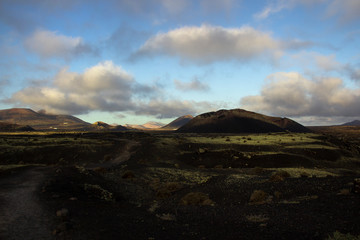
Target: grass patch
[341, 236]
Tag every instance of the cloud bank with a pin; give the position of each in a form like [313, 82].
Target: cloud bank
[207, 44]
[104, 87]
[291, 94]
[344, 11]
[48, 44]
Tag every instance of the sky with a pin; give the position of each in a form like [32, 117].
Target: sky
[134, 61]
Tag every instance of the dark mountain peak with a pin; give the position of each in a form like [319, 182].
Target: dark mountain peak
[352, 123]
[240, 121]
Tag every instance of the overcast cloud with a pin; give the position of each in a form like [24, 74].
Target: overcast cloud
[103, 87]
[207, 44]
[291, 94]
[344, 10]
[48, 44]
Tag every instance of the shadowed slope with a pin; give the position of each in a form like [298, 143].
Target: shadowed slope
[177, 123]
[240, 121]
[9, 127]
[352, 123]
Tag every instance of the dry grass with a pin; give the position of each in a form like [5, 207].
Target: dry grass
[341, 236]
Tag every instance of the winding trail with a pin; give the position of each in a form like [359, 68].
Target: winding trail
[21, 213]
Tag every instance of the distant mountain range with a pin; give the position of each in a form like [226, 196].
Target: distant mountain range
[41, 121]
[146, 126]
[222, 121]
[240, 121]
[352, 123]
[20, 118]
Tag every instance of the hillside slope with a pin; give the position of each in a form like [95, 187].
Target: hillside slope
[240, 121]
[352, 123]
[41, 121]
[177, 123]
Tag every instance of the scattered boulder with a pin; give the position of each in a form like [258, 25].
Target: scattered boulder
[258, 197]
[202, 150]
[356, 185]
[279, 176]
[197, 198]
[62, 213]
[168, 189]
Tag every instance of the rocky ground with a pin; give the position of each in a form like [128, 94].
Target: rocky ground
[151, 190]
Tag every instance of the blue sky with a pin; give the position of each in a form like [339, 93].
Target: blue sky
[123, 61]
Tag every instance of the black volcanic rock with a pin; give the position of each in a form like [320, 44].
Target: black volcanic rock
[177, 123]
[352, 123]
[240, 121]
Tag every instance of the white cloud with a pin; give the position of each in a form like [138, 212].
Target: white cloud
[194, 85]
[291, 94]
[344, 10]
[279, 5]
[104, 87]
[317, 61]
[48, 44]
[206, 44]
[314, 62]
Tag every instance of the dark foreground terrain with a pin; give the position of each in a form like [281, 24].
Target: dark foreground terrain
[179, 186]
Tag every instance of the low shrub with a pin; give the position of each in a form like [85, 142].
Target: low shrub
[258, 197]
[341, 236]
[279, 176]
[97, 191]
[168, 189]
[197, 198]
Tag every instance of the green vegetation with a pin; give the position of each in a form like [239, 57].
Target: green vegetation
[49, 148]
[341, 236]
[259, 139]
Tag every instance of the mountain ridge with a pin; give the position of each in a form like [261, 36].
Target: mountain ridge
[240, 121]
[41, 121]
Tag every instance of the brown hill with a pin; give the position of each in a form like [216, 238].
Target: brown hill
[240, 121]
[145, 126]
[104, 126]
[177, 123]
[41, 121]
[353, 123]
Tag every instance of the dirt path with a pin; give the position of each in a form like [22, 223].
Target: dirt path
[21, 213]
[126, 153]
[123, 155]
